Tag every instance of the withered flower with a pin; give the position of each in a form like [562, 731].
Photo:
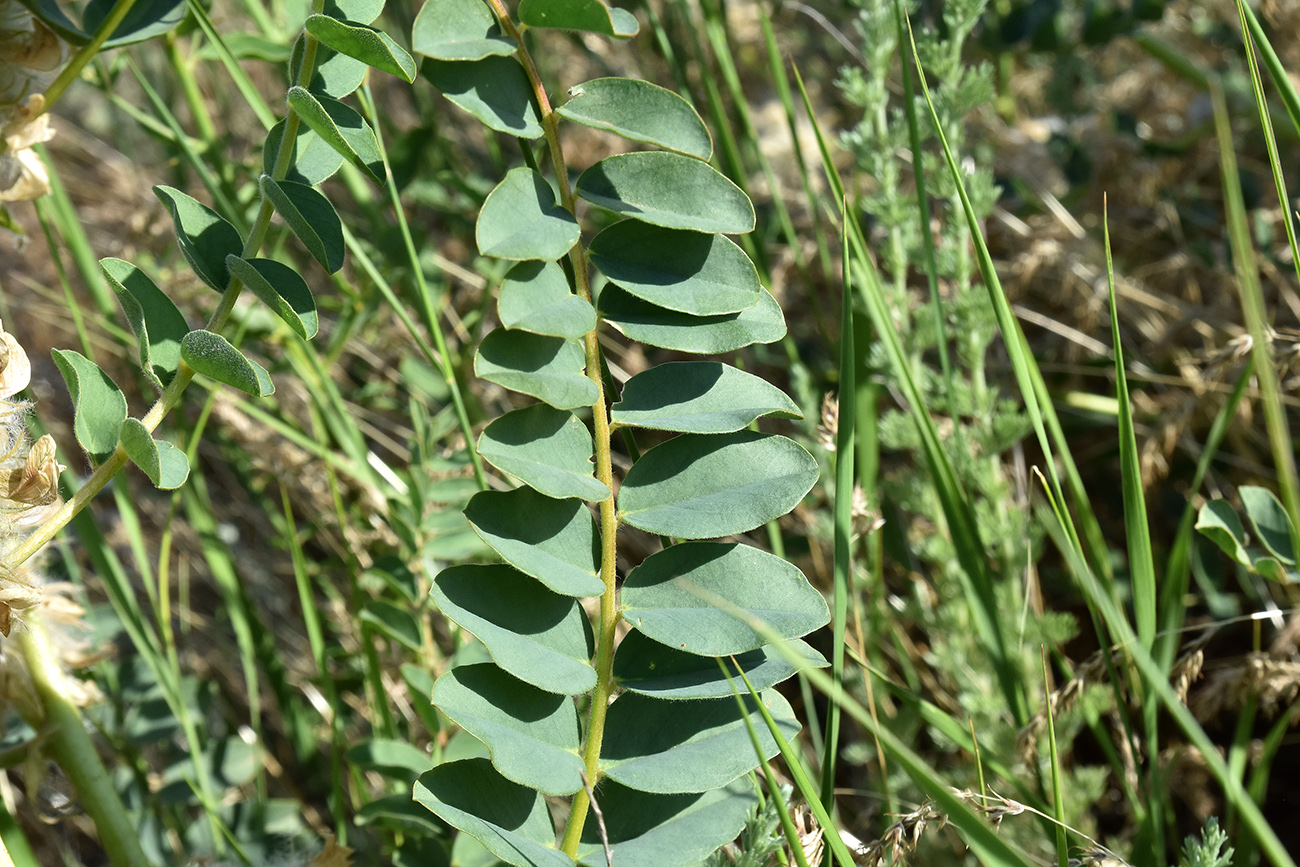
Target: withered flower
[36, 483]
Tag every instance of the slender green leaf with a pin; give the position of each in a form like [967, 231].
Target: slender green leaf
[555, 541]
[204, 237]
[158, 323]
[644, 665]
[282, 289]
[535, 296]
[692, 272]
[313, 159]
[458, 30]
[99, 407]
[164, 464]
[669, 747]
[592, 16]
[699, 397]
[532, 735]
[701, 335]
[212, 355]
[342, 128]
[696, 486]
[640, 111]
[546, 448]
[311, 217]
[521, 220]
[494, 89]
[370, 46]
[548, 368]
[670, 190]
[540, 637]
[511, 820]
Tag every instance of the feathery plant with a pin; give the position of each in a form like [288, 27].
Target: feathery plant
[641, 731]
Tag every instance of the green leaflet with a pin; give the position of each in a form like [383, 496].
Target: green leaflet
[164, 464]
[282, 289]
[511, 820]
[649, 830]
[145, 20]
[691, 272]
[1273, 556]
[539, 636]
[640, 111]
[699, 397]
[356, 11]
[98, 404]
[1270, 521]
[521, 220]
[696, 486]
[702, 335]
[313, 159]
[392, 758]
[532, 734]
[158, 324]
[548, 368]
[397, 624]
[311, 217]
[644, 665]
[546, 448]
[458, 30]
[494, 89]
[555, 541]
[535, 296]
[342, 129]
[370, 46]
[670, 190]
[335, 75]
[590, 15]
[204, 237]
[212, 355]
[670, 747]
[684, 597]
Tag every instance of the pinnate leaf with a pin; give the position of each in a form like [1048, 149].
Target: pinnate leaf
[553, 540]
[158, 323]
[592, 16]
[670, 190]
[521, 220]
[693, 595]
[282, 289]
[494, 89]
[699, 397]
[99, 407]
[539, 636]
[370, 46]
[204, 237]
[342, 128]
[458, 30]
[535, 296]
[640, 111]
[164, 464]
[702, 335]
[531, 734]
[546, 448]
[311, 217]
[696, 486]
[692, 272]
[548, 368]
[511, 820]
[212, 355]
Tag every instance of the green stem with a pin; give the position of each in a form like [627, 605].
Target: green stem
[71, 747]
[86, 53]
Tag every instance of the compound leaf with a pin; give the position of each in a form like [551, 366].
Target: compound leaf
[458, 30]
[204, 237]
[555, 541]
[535, 296]
[372, 47]
[164, 464]
[341, 128]
[311, 217]
[546, 448]
[521, 220]
[696, 486]
[99, 407]
[539, 636]
[701, 335]
[670, 190]
[494, 89]
[531, 734]
[282, 289]
[699, 397]
[548, 368]
[640, 111]
[212, 355]
[158, 323]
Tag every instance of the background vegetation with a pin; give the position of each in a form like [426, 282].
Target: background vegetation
[260, 645]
